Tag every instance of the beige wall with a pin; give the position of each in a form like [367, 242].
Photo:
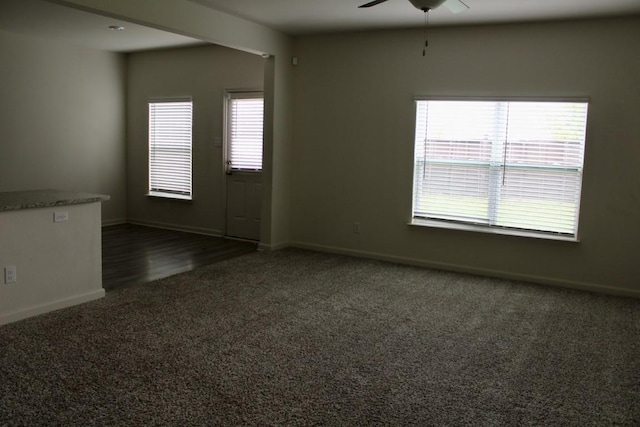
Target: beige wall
[353, 133]
[203, 73]
[349, 102]
[279, 91]
[58, 264]
[194, 20]
[62, 122]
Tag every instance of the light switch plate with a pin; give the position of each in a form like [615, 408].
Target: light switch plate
[10, 274]
[60, 216]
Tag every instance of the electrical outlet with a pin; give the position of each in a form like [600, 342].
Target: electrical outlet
[10, 274]
[356, 228]
[60, 216]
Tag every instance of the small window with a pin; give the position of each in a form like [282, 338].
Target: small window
[509, 166]
[170, 129]
[245, 117]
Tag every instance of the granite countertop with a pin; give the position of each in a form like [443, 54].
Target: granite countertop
[17, 200]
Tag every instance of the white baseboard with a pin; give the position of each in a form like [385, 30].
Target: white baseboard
[117, 221]
[178, 227]
[273, 247]
[50, 306]
[591, 287]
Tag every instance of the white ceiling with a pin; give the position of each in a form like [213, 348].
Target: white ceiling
[43, 19]
[315, 16]
[39, 18]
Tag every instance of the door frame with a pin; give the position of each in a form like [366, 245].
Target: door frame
[228, 93]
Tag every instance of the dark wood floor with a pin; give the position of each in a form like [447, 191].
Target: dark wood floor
[133, 254]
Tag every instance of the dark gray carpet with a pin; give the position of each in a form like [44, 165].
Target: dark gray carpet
[303, 338]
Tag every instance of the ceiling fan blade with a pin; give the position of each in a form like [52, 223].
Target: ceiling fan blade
[373, 3]
[455, 6]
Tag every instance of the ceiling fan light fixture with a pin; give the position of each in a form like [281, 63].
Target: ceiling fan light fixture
[426, 5]
[455, 6]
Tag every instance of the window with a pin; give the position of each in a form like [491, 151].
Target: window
[245, 116]
[170, 124]
[513, 167]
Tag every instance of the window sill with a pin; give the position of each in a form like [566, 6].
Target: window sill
[160, 195]
[488, 230]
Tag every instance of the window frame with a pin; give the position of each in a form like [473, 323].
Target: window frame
[230, 96]
[168, 192]
[457, 224]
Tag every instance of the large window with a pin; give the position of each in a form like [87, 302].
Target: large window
[170, 125]
[512, 167]
[245, 116]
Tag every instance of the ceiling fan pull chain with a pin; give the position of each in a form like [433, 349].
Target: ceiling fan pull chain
[426, 24]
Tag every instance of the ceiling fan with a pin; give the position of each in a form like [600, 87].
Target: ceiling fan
[455, 6]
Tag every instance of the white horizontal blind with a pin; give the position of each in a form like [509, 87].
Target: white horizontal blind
[170, 133]
[245, 131]
[510, 164]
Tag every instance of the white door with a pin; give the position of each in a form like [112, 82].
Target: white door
[244, 191]
[244, 145]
